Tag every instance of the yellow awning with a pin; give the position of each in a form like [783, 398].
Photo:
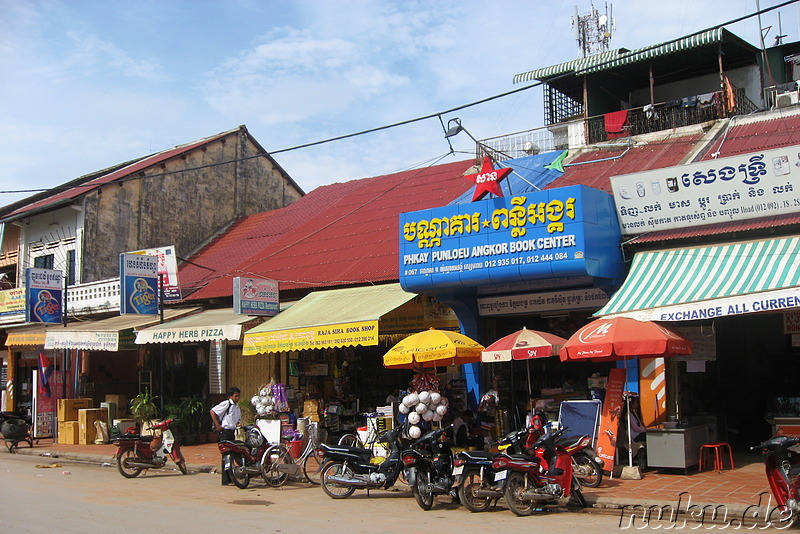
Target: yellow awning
[27, 335]
[324, 319]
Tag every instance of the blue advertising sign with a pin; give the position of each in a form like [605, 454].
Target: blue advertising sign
[255, 296]
[564, 232]
[138, 276]
[43, 295]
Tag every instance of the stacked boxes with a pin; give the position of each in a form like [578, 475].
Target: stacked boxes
[311, 410]
[121, 402]
[67, 415]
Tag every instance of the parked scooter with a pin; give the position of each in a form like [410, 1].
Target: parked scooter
[534, 481]
[782, 466]
[135, 455]
[242, 459]
[476, 479]
[587, 465]
[350, 468]
[429, 467]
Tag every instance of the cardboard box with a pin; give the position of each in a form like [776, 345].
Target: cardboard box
[121, 401]
[87, 432]
[67, 409]
[68, 432]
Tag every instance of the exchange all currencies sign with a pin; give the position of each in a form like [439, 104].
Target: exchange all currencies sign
[138, 275]
[43, 295]
[255, 296]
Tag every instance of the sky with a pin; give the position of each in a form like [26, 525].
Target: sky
[87, 84]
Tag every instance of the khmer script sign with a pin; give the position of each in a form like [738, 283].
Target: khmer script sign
[748, 186]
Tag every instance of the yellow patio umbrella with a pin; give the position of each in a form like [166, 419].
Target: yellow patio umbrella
[431, 348]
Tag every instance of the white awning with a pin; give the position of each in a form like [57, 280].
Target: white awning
[219, 324]
[105, 334]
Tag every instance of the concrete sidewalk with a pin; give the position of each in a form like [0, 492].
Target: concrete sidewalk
[730, 495]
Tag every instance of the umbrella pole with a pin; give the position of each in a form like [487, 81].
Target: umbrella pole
[528, 365]
[630, 472]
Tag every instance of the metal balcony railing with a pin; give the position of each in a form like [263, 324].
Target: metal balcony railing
[642, 120]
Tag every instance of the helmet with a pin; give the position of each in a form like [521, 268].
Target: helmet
[538, 420]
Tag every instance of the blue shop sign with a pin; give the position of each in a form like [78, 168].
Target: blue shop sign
[564, 232]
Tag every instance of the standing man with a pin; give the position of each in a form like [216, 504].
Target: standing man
[226, 416]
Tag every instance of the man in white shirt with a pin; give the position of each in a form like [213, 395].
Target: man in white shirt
[226, 416]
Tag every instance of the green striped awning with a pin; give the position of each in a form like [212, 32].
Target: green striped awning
[611, 59]
[710, 281]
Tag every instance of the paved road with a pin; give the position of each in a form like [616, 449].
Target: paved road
[91, 499]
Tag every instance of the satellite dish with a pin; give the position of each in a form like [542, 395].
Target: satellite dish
[530, 148]
[602, 20]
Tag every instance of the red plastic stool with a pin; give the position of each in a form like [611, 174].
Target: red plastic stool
[718, 449]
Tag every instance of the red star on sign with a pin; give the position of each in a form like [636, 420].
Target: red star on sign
[488, 180]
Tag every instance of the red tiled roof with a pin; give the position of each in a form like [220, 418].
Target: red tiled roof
[339, 234]
[73, 191]
[654, 155]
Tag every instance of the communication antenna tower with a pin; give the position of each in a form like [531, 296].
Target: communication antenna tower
[593, 30]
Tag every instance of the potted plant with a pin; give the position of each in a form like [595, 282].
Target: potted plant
[144, 408]
[190, 418]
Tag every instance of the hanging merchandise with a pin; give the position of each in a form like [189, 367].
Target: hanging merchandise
[264, 402]
[281, 401]
[424, 407]
[425, 380]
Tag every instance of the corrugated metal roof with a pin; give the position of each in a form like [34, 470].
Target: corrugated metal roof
[340, 234]
[73, 190]
[780, 129]
[596, 167]
[619, 57]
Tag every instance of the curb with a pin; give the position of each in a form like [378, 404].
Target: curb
[99, 459]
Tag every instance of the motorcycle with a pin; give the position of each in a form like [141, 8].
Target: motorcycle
[135, 455]
[476, 479]
[533, 481]
[782, 466]
[586, 463]
[350, 468]
[242, 459]
[429, 467]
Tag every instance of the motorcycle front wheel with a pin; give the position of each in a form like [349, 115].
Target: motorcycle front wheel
[125, 459]
[512, 493]
[421, 490]
[577, 493]
[590, 473]
[470, 483]
[333, 489]
[239, 478]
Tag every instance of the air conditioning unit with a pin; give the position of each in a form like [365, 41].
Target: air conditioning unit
[785, 100]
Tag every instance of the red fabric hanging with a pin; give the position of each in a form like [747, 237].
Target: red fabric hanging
[614, 123]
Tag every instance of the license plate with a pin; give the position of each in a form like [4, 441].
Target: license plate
[501, 475]
[458, 470]
[226, 462]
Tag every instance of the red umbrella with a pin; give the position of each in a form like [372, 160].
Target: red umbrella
[522, 345]
[621, 337]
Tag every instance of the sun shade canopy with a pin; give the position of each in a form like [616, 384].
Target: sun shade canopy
[324, 319]
[710, 281]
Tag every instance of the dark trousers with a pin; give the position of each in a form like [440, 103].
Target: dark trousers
[226, 434]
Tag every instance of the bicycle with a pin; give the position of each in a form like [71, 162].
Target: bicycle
[277, 464]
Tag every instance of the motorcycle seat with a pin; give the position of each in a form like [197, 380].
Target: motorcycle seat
[351, 450]
[136, 437]
[525, 457]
